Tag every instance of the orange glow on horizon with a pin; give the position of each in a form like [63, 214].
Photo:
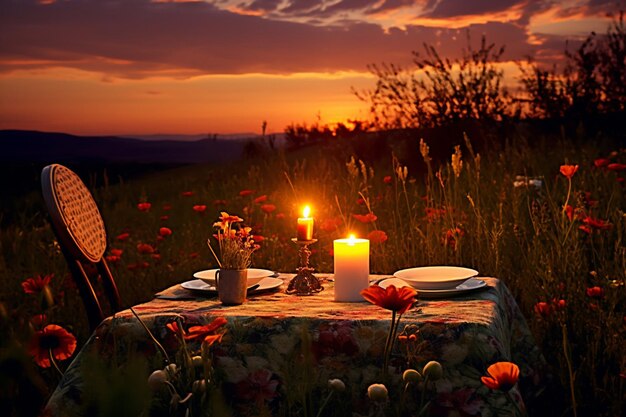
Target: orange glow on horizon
[86, 103]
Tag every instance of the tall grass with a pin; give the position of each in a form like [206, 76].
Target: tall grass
[485, 211]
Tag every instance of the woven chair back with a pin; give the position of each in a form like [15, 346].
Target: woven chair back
[74, 213]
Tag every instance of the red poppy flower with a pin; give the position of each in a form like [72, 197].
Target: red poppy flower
[245, 193]
[144, 206]
[597, 223]
[112, 258]
[568, 170]
[434, 214]
[260, 199]
[390, 298]
[595, 292]
[38, 320]
[220, 202]
[145, 248]
[208, 332]
[616, 167]
[543, 309]
[116, 252]
[199, 208]
[377, 236]
[268, 208]
[365, 218]
[37, 284]
[167, 207]
[173, 327]
[502, 376]
[122, 237]
[360, 201]
[451, 235]
[258, 238]
[601, 162]
[387, 179]
[187, 193]
[280, 216]
[165, 231]
[559, 304]
[52, 339]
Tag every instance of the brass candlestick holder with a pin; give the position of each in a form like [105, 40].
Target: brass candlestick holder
[304, 283]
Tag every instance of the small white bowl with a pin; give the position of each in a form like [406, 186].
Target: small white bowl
[254, 276]
[435, 277]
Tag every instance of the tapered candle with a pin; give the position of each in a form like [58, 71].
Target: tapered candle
[352, 268]
[305, 225]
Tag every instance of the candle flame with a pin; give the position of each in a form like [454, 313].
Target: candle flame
[306, 211]
[351, 240]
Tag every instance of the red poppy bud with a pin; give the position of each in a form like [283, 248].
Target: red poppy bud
[144, 206]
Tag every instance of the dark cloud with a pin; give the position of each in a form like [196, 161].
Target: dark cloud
[458, 8]
[297, 7]
[137, 38]
[266, 6]
[388, 5]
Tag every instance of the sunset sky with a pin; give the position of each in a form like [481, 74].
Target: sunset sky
[97, 67]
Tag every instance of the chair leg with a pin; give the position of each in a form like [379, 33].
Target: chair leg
[87, 293]
[109, 285]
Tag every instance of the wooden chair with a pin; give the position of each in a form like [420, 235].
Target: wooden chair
[80, 231]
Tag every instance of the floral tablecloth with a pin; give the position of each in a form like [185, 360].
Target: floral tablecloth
[280, 351]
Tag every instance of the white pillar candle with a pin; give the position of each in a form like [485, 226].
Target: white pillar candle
[352, 268]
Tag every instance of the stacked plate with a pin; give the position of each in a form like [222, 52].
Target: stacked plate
[437, 281]
[205, 280]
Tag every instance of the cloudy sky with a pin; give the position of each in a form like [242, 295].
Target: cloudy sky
[225, 66]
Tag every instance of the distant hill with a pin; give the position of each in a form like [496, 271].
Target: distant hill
[33, 146]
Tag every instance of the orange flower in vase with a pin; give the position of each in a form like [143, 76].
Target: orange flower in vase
[502, 376]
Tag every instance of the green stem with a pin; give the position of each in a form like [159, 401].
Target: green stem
[569, 190]
[319, 412]
[54, 363]
[388, 344]
[569, 368]
[208, 242]
[511, 399]
[156, 342]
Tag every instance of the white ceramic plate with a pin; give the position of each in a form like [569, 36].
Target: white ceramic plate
[267, 283]
[435, 277]
[254, 275]
[471, 284]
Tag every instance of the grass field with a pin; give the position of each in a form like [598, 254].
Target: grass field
[556, 238]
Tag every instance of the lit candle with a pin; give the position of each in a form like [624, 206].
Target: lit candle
[305, 225]
[352, 268]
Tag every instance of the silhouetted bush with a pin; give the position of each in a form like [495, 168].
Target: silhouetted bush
[438, 90]
[592, 83]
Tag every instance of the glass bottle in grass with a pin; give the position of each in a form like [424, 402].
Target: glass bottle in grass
[236, 246]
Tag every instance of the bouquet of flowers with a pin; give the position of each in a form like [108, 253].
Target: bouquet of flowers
[236, 243]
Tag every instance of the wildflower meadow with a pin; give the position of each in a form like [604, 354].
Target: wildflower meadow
[548, 220]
